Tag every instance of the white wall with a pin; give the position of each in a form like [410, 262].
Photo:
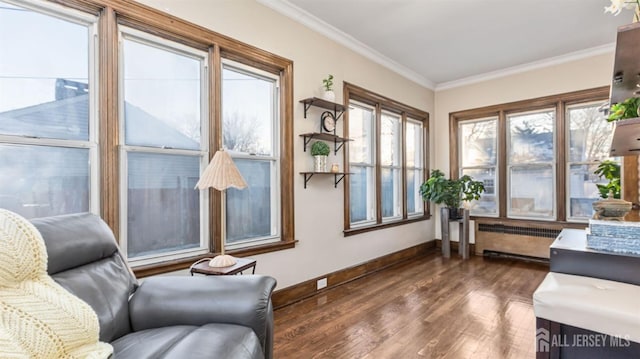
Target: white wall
[576, 75]
[319, 208]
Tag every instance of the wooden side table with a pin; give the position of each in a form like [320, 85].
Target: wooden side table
[202, 267]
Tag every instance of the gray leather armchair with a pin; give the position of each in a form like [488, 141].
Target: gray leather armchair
[164, 317]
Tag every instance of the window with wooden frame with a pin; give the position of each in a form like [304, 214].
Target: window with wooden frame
[164, 148]
[48, 110]
[250, 122]
[386, 161]
[538, 155]
[149, 116]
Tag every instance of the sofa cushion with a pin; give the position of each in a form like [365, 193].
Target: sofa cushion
[193, 342]
[39, 318]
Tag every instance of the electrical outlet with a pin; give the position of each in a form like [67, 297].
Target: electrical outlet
[322, 283]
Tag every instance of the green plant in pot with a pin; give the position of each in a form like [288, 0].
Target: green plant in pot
[624, 110]
[327, 85]
[450, 192]
[611, 207]
[610, 170]
[320, 151]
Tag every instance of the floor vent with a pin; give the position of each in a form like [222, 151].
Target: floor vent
[521, 231]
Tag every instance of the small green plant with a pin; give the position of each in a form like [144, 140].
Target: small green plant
[320, 148]
[610, 170]
[328, 83]
[625, 109]
[451, 192]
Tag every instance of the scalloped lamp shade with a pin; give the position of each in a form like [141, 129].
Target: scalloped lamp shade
[221, 174]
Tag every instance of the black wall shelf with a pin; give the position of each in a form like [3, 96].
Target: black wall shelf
[338, 176]
[338, 141]
[337, 108]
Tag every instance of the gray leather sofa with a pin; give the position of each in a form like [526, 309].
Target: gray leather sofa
[181, 317]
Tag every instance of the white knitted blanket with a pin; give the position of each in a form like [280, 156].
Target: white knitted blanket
[39, 318]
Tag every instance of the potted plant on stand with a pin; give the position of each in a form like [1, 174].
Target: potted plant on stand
[320, 151]
[610, 170]
[610, 207]
[450, 192]
[327, 85]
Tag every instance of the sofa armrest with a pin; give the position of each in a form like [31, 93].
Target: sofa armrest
[171, 300]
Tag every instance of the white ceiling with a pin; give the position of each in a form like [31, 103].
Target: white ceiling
[445, 43]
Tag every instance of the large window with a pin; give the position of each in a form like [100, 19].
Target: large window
[250, 113]
[551, 145]
[116, 108]
[361, 164]
[48, 142]
[588, 142]
[165, 147]
[414, 153]
[478, 148]
[531, 165]
[386, 160]
[391, 166]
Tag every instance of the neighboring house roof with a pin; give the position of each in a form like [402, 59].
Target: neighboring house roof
[68, 119]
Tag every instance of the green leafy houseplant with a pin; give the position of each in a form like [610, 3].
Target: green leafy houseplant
[450, 192]
[610, 170]
[320, 148]
[328, 83]
[625, 109]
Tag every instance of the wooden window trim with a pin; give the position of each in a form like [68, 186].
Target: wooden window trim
[380, 103]
[130, 13]
[559, 102]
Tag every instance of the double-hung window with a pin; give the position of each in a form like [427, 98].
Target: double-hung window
[478, 148]
[164, 147]
[48, 132]
[115, 108]
[414, 154]
[391, 166]
[250, 127]
[588, 142]
[531, 175]
[538, 155]
[361, 164]
[386, 162]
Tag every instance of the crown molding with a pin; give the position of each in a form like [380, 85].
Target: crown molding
[305, 18]
[557, 60]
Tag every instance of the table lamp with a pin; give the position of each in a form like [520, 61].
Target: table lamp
[222, 173]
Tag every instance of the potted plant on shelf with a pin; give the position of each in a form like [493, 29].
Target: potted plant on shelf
[450, 192]
[320, 151]
[327, 85]
[624, 110]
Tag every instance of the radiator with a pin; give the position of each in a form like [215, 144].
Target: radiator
[524, 241]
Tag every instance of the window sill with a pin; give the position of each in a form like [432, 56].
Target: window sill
[375, 227]
[184, 263]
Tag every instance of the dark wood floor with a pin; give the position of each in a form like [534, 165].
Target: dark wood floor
[424, 308]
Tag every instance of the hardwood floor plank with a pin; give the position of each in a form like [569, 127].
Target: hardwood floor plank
[428, 307]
